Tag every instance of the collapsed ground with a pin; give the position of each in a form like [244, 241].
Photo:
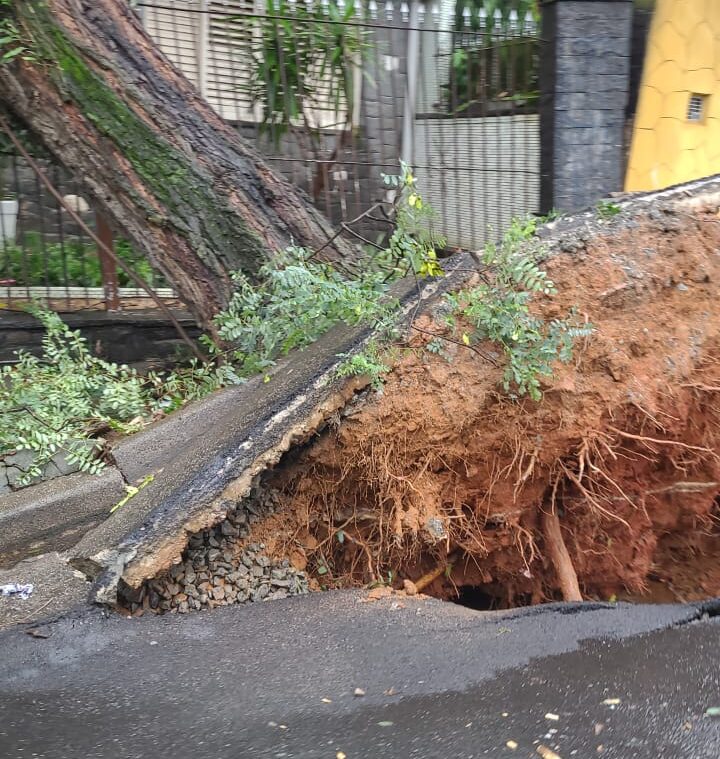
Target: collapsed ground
[444, 481]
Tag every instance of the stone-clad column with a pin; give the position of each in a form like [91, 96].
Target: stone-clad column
[584, 83]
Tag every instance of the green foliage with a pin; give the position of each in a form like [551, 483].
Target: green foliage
[13, 43]
[413, 244]
[552, 215]
[491, 61]
[499, 310]
[72, 263]
[367, 363]
[297, 300]
[305, 61]
[54, 404]
[48, 405]
[606, 209]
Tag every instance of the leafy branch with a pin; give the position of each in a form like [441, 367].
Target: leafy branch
[499, 310]
[13, 44]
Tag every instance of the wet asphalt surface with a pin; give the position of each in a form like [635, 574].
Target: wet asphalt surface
[278, 680]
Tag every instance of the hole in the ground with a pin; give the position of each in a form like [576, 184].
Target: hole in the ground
[476, 597]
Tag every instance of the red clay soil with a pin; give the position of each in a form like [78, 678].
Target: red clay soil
[444, 480]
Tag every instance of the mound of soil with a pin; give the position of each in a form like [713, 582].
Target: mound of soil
[611, 481]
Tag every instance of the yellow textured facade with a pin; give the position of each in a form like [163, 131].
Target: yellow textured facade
[682, 61]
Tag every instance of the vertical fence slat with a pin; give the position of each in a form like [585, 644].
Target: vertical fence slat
[108, 268]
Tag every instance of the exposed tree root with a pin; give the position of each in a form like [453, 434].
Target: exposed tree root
[429, 577]
[560, 558]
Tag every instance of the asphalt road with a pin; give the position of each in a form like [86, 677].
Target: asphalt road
[278, 680]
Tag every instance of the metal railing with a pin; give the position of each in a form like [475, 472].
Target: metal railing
[334, 93]
[45, 255]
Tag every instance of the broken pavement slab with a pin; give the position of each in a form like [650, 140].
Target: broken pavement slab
[212, 454]
[57, 589]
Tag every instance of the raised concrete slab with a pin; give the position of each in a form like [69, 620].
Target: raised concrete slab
[58, 589]
[53, 515]
[205, 459]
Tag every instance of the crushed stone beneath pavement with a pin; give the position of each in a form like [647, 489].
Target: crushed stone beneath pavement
[218, 569]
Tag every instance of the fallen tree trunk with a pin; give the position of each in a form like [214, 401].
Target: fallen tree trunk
[164, 168]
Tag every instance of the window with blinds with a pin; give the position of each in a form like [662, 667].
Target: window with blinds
[231, 50]
[174, 27]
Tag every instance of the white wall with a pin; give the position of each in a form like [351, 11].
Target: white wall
[478, 173]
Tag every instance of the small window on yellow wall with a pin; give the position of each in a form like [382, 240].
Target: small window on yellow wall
[696, 107]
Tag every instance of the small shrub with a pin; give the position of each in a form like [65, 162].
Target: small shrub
[297, 301]
[58, 402]
[606, 209]
[499, 310]
[367, 363]
[72, 263]
[50, 405]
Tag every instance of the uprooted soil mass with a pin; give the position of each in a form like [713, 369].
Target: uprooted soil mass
[609, 487]
[614, 476]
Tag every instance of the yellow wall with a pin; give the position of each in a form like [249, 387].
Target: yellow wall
[683, 57]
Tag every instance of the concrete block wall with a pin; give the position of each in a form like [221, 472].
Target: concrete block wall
[584, 78]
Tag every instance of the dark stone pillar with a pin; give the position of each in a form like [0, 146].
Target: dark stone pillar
[584, 84]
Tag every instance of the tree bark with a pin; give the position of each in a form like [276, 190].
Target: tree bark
[165, 170]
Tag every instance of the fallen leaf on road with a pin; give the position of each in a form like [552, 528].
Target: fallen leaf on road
[389, 692]
[36, 632]
[547, 753]
[599, 727]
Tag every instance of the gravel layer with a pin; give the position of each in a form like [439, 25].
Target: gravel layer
[218, 569]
